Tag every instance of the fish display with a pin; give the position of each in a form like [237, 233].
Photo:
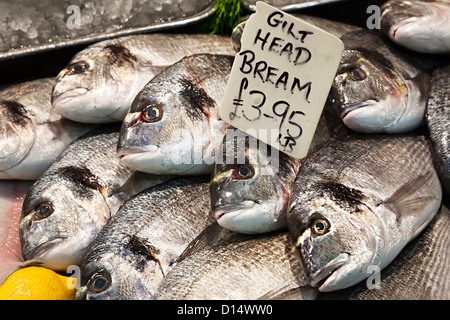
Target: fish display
[241, 268]
[358, 202]
[438, 122]
[115, 164]
[173, 126]
[418, 273]
[100, 82]
[67, 206]
[136, 249]
[252, 184]
[376, 90]
[31, 134]
[420, 26]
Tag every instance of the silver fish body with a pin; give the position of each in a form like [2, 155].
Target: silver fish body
[356, 203]
[67, 206]
[438, 122]
[101, 82]
[376, 89]
[136, 249]
[32, 135]
[245, 268]
[252, 184]
[420, 272]
[173, 126]
[421, 26]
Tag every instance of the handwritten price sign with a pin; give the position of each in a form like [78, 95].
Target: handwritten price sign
[280, 79]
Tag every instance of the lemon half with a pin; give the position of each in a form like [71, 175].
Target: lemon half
[37, 283]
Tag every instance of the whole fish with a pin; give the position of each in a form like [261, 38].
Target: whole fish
[252, 184]
[421, 26]
[138, 246]
[32, 135]
[438, 121]
[376, 89]
[173, 126]
[242, 268]
[100, 82]
[67, 206]
[12, 194]
[356, 203]
[420, 271]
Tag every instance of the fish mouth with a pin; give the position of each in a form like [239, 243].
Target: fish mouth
[323, 277]
[346, 109]
[64, 97]
[40, 252]
[222, 210]
[136, 151]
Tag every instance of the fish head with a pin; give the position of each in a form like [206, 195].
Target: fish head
[418, 25]
[166, 132]
[95, 86]
[337, 241]
[17, 134]
[249, 193]
[370, 91]
[61, 214]
[123, 270]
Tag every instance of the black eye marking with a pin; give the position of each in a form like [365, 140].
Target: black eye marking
[119, 55]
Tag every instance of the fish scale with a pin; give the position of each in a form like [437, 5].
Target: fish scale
[419, 272]
[114, 71]
[249, 267]
[438, 122]
[381, 204]
[163, 221]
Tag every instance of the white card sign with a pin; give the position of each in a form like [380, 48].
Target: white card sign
[280, 79]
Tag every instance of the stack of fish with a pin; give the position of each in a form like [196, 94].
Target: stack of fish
[137, 180]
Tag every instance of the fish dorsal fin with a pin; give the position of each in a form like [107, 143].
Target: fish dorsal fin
[401, 202]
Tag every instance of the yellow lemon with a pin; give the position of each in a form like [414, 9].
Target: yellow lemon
[37, 283]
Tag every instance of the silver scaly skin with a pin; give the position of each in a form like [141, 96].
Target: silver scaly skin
[100, 82]
[419, 272]
[173, 126]
[239, 268]
[67, 206]
[376, 90]
[137, 248]
[250, 192]
[438, 122]
[32, 135]
[356, 203]
[421, 26]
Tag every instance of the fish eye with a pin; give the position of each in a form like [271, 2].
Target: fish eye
[152, 114]
[79, 67]
[43, 210]
[98, 282]
[320, 226]
[357, 74]
[245, 171]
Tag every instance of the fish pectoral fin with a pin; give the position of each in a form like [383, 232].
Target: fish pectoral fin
[401, 202]
[210, 235]
[289, 293]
